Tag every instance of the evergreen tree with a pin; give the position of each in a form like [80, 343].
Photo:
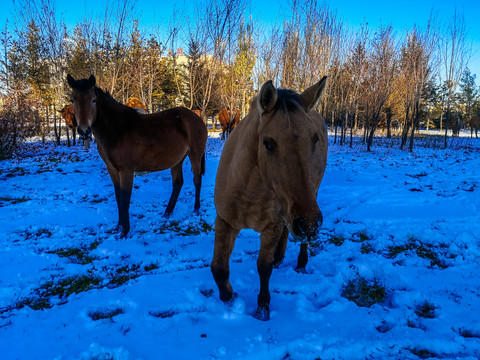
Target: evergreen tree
[468, 94]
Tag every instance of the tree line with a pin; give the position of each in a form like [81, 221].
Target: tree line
[377, 77]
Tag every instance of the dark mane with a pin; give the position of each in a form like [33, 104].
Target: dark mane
[287, 100]
[107, 98]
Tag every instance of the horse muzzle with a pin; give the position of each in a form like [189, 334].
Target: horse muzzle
[85, 134]
[303, 230]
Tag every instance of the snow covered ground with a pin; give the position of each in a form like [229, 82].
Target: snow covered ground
[400, 236]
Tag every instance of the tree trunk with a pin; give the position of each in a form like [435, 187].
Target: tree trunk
[352, 116]
[447, 120]
[370, 138]
[341, 130]
[59, 135]
[68, 137]
[405, 131]
[334, 127]
[389, 123]
[414, 126]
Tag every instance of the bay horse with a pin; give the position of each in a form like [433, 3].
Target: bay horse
[68, 116]
[474, 125]
[128, 141]
[273, 162]
[228, 121]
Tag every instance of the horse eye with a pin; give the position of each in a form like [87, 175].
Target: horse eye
[270, 145]
[315, 140]
[94, 101]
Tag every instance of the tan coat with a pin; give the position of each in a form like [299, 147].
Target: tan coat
[267, 180]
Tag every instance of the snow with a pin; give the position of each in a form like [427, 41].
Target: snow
[408, 221]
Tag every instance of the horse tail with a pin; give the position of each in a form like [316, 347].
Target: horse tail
[203, 165]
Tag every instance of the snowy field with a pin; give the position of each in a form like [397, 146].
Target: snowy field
[395, 273]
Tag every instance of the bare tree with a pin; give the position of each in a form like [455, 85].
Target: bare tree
[381, 71]
[358, 65]
[422, 47]
[215, 33]
[454, 53]
[312, 38]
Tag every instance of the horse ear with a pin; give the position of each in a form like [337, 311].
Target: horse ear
[267, 97]
[311, 96]
[91, 80]
[71, 81]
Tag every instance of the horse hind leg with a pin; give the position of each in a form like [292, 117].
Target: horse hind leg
[177, 183]
[198, 169]
[198, 172]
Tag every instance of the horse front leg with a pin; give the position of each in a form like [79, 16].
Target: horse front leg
[268, 240]
[302, 258]
[225, 237]
[123, 200]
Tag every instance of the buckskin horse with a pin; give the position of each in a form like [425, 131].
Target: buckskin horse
[228, 121]
[273, 164]
[128, 141]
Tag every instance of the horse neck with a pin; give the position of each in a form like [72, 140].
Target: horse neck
[249, 127]
[109, 114]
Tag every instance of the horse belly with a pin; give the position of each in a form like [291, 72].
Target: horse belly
[160, 159]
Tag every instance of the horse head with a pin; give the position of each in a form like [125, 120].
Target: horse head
[292, 152]
[68, 115]
[84, 100]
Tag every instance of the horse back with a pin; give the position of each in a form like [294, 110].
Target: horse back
[475, 122]
[153, 142]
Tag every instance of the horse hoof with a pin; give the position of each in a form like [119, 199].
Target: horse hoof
[231, 300]
[122, 231]
[167, 214]
[277, 263]
[262, 314]
[301, 270]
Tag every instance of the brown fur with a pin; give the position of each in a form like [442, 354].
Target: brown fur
[128, 141]
[273, 164]
[474, 125]
[134, 102]
[457, 125]
[227, 121]
[68, 116]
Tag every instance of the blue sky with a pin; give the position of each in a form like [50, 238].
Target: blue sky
[401, 14]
